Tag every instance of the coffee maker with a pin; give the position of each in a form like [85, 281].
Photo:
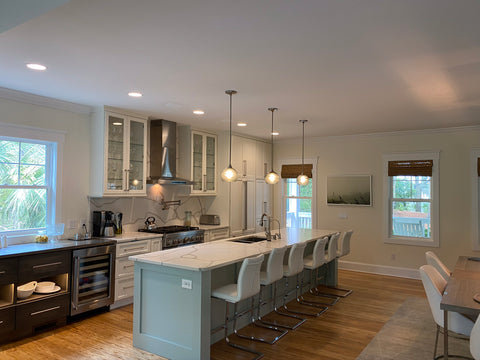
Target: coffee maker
[106, 223]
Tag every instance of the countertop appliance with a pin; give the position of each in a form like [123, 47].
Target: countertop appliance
[176, 235]
[99, 220]
[207, 219]
[93, 278]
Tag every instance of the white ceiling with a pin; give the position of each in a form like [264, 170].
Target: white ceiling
[348, 66]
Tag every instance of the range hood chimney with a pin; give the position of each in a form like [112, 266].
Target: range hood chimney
[163, 153]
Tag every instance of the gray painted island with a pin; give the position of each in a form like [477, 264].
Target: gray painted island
[173, 310]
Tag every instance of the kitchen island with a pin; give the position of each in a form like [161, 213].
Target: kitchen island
[173, 309]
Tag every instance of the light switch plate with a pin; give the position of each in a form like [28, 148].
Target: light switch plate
[187, 284]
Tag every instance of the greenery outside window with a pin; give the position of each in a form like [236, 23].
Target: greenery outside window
[411, 193]
[27, 185]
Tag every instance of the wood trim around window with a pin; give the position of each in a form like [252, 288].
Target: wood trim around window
[292, 171]
[410, 168]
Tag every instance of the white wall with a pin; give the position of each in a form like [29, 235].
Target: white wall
[363, 155]
[75, 166]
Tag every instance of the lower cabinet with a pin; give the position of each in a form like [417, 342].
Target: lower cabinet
[216, 234]
[35, 315]
[7, 321]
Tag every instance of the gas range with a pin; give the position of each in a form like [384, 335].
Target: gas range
[177, 235]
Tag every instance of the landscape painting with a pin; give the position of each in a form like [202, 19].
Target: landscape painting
[349, 190]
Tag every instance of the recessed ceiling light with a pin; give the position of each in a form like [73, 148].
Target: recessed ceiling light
[198, 112]
[38, 67]
[135, 94]
[275, 133]
[241, 124]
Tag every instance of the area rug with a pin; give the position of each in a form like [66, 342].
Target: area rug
[410, 335]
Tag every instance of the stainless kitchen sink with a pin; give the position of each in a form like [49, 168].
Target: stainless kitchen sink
[249, 240]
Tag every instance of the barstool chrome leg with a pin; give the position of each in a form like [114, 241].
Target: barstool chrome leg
[323, 293]
[258, 324]
[275, 309]
[240, 347]
[324, 308]
[313, 291]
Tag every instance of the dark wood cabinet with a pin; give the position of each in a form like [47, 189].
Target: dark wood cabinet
[8, 271]
[37, 267]
[24, 317]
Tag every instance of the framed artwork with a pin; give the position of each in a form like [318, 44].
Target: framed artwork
[353, 190]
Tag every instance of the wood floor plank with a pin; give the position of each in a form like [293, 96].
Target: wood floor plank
[340, 334]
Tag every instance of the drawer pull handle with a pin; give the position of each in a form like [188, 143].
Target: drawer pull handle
[44, 311]
[127, 287]
[128, 266]
[45, 265]
[2, 272]
[133, 249]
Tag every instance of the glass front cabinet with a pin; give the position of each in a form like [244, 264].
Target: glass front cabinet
[125, 155]
[204, 160]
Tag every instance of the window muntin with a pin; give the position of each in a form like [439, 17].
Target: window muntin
[298, 204]
[26, 178]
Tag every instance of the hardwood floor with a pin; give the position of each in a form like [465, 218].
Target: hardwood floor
[339, 334]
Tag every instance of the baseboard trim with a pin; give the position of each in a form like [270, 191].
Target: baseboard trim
[379, 269]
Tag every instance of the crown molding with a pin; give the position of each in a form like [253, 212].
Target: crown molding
[33, 99]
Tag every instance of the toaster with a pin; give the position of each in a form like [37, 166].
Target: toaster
[209, 219]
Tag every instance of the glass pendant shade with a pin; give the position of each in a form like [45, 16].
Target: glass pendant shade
[229, 174]
[302, 180]
[272, 178]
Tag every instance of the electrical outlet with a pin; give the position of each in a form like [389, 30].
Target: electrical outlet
[343, 216]
[187, 284]
[83, 221]
[72, 224]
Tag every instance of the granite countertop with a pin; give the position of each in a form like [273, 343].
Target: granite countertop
[211, 255]
[35, 248]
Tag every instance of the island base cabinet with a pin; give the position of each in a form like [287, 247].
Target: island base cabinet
[172, 320]
[43, 314]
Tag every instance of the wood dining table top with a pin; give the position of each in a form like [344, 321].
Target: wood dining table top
[463, 284]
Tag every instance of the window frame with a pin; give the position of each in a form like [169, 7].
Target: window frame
[433, 241]
[314, 186]
[54, 140]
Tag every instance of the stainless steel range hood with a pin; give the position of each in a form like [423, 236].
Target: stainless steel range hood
[163, 153]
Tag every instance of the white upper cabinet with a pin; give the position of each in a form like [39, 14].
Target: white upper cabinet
[118, 154]
[198, 160]
[263, 159]
[243, 156]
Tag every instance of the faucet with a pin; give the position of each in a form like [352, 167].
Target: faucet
[268, 234]
[277, 235]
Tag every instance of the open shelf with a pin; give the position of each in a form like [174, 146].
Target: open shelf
[6, 295]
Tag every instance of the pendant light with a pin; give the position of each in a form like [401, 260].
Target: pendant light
[302, 179]
[229, 174]
[272, 177]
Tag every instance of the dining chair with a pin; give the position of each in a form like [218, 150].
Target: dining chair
[475, 340]
[434, 285]
[433, 260]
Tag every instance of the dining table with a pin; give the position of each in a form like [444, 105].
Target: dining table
[462, 287]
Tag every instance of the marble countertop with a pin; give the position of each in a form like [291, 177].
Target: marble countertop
[134, 236]
[211, 255]
[212, 227]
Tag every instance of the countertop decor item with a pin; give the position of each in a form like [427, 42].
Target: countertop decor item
[302, 179]
[229, 174]
[272, 177]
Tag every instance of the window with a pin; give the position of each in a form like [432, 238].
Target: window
[298, 205]
[411, 199]
[27, 185]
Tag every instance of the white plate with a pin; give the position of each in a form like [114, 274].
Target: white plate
[55, 289]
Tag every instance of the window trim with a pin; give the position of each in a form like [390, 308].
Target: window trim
[312, 161]
[475, 154]
[56, 138]
[434, 193]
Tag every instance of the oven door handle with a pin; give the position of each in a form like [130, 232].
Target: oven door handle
[76, 274]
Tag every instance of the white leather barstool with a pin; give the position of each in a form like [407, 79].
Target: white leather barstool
[312, 262]
[344, 250]
[274, 272]
[434, 285]
[475, 340]
[332, 256]
[433, 260]
[248, 285]
[293, 268]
